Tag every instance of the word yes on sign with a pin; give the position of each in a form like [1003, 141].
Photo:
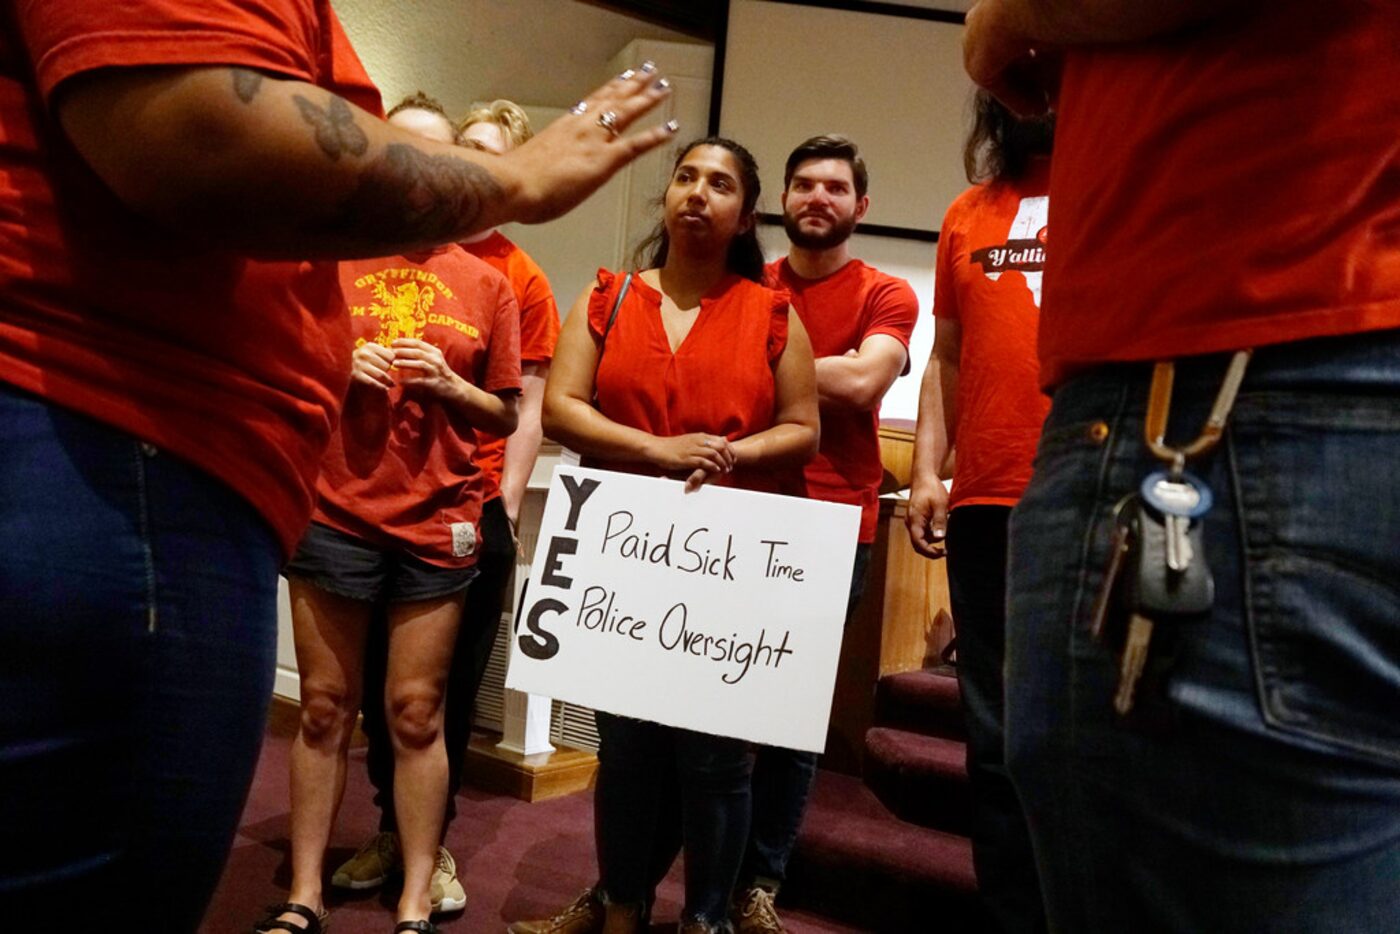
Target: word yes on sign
[718, 610]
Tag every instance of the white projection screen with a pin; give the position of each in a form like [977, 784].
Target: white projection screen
[893, 83]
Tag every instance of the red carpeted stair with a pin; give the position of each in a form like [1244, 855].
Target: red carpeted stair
[890, 853]
[927, 702]
[921, 779]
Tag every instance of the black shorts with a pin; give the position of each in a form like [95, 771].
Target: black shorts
[352, 567]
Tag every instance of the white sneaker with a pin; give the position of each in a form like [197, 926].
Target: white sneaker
[444, 889]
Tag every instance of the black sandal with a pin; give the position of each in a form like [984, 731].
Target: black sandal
[422, 927]
[315, 924]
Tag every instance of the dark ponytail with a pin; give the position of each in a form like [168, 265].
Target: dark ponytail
[745, 257]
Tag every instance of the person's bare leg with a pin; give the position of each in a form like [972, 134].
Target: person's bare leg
[421, 638]
[329, 631]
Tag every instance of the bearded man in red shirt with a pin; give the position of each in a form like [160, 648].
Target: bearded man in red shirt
[860, 321]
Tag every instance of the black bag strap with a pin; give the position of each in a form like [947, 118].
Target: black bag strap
[612, 318]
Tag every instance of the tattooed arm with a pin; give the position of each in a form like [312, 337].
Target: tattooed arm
[281, 168]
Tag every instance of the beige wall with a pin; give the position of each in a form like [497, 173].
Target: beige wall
[605, 228]
[894, 84]
[542, 52]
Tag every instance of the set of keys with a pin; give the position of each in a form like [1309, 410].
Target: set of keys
[1157, 573]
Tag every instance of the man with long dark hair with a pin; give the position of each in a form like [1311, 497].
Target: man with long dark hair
[981, 394]
[860, 321]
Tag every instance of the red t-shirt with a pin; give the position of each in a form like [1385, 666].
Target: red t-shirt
[840, 311]
[398, 472]
[991, 258]
[539, 332]
[234, 365]
[720, 380]
[1234, 186]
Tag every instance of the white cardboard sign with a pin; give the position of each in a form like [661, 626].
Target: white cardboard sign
[719, 610]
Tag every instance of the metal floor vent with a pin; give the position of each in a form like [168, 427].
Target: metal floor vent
[570, 724]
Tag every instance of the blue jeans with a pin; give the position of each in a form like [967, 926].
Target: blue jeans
[782, 782]
[1001, 844]
[1260, 786]
[642, 769]
[138, 628]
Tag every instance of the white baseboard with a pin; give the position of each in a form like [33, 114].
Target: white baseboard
[287, 684]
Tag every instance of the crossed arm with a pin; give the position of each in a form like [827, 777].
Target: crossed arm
[860, 378]
[281, 168]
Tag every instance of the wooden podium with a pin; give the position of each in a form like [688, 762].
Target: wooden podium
[902, 623]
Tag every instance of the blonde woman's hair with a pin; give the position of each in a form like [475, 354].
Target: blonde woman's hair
[420, 101]
[507, 115]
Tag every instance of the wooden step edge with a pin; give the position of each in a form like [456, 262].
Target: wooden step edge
[529, 778]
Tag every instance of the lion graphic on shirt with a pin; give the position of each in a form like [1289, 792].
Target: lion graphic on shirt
[402, 310]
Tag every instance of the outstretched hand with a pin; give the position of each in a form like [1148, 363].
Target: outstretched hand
[573, 156]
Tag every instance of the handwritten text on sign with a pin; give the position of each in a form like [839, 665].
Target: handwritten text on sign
[719, 610]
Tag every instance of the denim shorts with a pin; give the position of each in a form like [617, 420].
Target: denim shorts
[352, 567]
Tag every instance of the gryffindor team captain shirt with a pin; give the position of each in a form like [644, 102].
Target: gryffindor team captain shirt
[991, 260]
[399, 471]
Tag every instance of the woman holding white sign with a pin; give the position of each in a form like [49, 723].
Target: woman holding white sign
[690, 369]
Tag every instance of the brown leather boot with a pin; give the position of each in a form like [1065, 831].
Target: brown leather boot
[695, 927]
[625, 919]
[583, 916]
[754, 913]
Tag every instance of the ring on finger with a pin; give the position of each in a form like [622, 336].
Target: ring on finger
[608, 121]
[579, 108]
